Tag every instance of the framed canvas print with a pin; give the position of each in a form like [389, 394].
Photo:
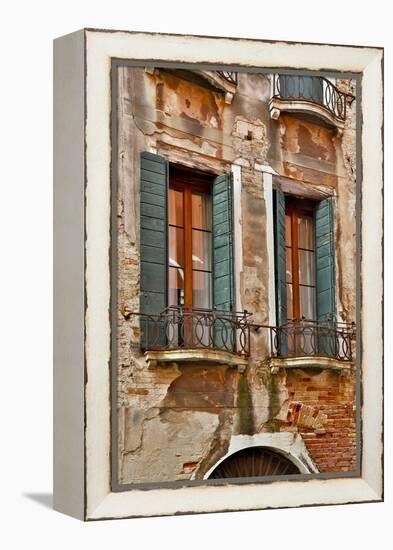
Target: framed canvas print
[218, 274]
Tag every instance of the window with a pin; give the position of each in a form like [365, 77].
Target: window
[190, 241]
[186, 254]
[304, 272]
[300, 261]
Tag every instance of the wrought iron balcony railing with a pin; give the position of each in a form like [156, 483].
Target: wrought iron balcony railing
[300, 338]
[312, 89]
[181, 327]
[230, 76]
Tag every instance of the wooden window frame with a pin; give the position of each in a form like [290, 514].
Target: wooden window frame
[189, 181]
[294, 208]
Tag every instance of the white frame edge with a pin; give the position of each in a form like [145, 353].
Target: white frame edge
[69, 271]
[101, 46]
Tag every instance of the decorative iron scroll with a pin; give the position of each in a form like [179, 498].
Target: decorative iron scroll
[230, 76]
[314, 89]
[314, 338]
[181, 327]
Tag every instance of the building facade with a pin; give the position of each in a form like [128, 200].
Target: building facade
[236, 274]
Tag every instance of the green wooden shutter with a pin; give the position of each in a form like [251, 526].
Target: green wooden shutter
[153, 242]
[325, 273]
[325, 268]
[223, 280]
[223, 276]
[280, 267]
[280, 259]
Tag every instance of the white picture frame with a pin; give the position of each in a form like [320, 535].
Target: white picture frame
[82, 176]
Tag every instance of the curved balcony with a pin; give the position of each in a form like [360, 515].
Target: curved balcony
[182, 334]
[314, 95]
[209, 336]
[229, 76]
[303, 343]
[225, 81]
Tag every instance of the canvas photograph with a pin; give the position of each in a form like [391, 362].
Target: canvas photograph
[218, 341]
[235, 247]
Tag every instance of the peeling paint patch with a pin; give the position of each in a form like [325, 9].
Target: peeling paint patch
[179, 97]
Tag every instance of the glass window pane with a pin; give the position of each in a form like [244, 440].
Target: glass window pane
[289, 301]
[307, 302]
[176, 247]
[175, 207]
[201, 250]
[306, 232]
[289, 265]
[201, 211]
[201, 290]
[288, 231]
[176, 287]
[306, 267]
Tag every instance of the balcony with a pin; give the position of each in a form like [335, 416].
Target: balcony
[229, 76]
[225, 81]
[181, 334]
[318, 344]
[314, 95]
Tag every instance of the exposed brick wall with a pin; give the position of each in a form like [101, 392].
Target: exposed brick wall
[321, 408]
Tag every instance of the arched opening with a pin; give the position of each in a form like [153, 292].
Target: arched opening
[254, 462]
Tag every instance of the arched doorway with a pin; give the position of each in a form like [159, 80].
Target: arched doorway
[254, 462]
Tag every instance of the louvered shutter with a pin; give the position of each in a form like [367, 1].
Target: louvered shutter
[280, 261]
[223, 275]
[325, 273]
[153, 243]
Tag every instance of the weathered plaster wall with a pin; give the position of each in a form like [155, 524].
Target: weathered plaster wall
[177, 422]
[346, 212]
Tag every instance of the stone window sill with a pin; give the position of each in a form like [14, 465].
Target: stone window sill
[203, 356]
[304, 362]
